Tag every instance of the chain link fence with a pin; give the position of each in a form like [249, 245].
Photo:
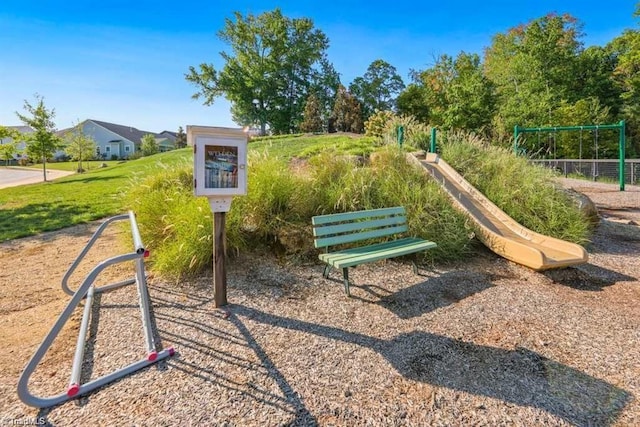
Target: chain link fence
[605, 170]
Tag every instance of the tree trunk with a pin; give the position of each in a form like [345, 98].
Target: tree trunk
[44, 167]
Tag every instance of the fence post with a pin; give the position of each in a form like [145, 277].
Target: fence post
[433, 140]
[622, 154]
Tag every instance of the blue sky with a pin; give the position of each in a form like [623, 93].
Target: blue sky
[124, 61]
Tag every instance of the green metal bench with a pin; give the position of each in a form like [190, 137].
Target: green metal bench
[350, 227]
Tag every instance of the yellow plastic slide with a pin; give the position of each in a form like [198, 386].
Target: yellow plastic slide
[498, 231]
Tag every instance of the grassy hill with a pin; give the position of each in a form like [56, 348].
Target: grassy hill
[32, 209]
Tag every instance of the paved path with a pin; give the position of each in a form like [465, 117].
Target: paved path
[14, 176]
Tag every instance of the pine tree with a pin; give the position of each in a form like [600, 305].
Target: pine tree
[181, 138]
[312, 121]
[347, 116]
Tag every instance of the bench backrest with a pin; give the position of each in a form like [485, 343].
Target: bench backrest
[337, 229]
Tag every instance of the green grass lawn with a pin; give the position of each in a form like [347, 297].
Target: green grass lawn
[31, 209]
[308, 145]
[79, 198]
[73, 166]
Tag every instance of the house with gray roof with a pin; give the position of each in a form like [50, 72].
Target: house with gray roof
[118, 141]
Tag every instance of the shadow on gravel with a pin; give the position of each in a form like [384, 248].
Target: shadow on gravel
[616, 239]
[520, 376]
[432, 294]
[587, 277]
[192, 351]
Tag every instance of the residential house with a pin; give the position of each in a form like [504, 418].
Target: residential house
[166, 140]
[115, 141]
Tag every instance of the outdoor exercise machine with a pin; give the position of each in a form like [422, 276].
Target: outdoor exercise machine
[517, 130]
[87, 291]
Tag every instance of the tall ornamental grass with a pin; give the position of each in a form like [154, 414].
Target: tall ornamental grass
[284, 194]
[276, 213]
[524, 191]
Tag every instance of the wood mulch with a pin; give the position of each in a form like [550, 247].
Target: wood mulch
[481, 342]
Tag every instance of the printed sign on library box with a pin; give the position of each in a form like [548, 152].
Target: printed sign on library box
[220, 159]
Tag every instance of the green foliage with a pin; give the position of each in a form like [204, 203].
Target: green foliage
[276, 213]
[595, 80]
[417, 135]
[42, 143]
[347, 116]
[7, 150]
[413, 102]
[390, 181]
[377, 123]
[626, 48]
[324, 85]
[454, 93]
[532, 67]
[79, 146]
[524, 191]
[378, 88]
[312, 120]
[274, 60]
[8, 143]
[181, 138]
[174, 224]
[149, 145]
[31, 209]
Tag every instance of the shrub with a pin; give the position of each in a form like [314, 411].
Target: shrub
[416, 134]
[276, 213]
[377, 123]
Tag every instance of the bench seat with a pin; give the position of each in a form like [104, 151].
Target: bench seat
[352, 227]
[365, 254]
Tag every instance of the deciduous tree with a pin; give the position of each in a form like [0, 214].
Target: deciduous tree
[149, 145]
[272, 60]
[8, 143]
[378, 88]
[79, 146]
[42, 143]
[627, 78]
[456, 93]
[532, 67]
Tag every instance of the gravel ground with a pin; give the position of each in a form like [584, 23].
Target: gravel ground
[484, 342]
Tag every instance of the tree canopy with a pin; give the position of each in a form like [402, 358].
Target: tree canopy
[272, 63]
[378, 88]
[79, 146]
[454, 94]
[8, 143]
[43, 142]
[535, 74]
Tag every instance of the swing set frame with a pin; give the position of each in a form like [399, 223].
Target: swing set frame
[517, 131]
